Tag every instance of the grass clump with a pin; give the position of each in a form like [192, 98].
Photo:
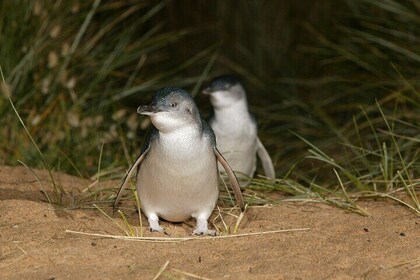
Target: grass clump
[72, 69]
[361, 125]
[335, 89]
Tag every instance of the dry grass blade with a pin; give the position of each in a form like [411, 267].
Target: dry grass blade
[190, 274]
[392, 197]
[136, 196]
[161, 270]
[44, 191]
[180, 239]
[58, 190]
[113, 220]
[239, 220]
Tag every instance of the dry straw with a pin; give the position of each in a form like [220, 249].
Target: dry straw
[181, 239]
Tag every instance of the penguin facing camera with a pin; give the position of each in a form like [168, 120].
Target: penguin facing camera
[177, 171]
[236, 129]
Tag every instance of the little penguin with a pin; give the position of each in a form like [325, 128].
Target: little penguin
[177, 171]
[236, 128]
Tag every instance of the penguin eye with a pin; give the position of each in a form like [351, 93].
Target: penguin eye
[174, 104]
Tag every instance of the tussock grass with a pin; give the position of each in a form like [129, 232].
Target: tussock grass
[335, 89]
[67, 64]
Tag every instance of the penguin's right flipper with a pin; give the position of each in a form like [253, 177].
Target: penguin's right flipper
[128, 176]
[232, 178]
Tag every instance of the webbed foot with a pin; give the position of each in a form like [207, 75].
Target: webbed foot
[202, 228]
[154, 224]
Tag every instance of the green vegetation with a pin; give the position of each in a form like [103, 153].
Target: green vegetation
[335, 87]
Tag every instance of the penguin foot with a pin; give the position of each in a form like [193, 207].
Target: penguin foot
[154, 224]
[202, 228]
[159, 229]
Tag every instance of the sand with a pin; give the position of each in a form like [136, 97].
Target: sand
[337, 244]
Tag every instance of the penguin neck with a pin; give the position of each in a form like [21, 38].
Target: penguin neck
[181, 136]
[237, 113]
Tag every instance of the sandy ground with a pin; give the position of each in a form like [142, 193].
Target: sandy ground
[338, 245]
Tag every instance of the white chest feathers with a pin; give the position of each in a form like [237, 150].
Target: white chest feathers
[178, 178]
[236, 137]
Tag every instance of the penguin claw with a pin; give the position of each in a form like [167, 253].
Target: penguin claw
[157, 229]
[161, 230]
[210, 232]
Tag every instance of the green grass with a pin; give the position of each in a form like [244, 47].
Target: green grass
[67, 64]
[335, 89]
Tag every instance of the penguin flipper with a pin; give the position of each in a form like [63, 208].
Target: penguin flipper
[128, 176]
[266, 161]
[232, 178]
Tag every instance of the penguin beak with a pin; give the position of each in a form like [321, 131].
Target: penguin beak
[148, 110]
[208, 90]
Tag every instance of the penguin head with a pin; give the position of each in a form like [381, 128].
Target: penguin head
[225, 91]
[171, 109]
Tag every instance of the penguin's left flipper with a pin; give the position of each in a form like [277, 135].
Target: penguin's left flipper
[266, 161]
[232, 178]
[128, 176]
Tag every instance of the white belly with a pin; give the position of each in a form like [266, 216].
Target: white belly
[239, 148]
[179, 181]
